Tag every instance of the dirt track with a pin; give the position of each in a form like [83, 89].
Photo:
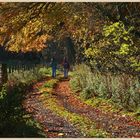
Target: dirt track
[56, 126]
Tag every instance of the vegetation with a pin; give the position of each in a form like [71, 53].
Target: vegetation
[123, 89]
[105, 35]
[107, 105]
[102, 41]
[14, 120]
[116, 51]
[27, 76]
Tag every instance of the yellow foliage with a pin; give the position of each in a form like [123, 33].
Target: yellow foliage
[48, 90]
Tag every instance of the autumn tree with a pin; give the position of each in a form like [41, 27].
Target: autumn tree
[117, 46]
[93, 28]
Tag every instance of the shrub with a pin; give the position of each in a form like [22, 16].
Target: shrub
[87, 92]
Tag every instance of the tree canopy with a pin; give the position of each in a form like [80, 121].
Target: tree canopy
[106, 34]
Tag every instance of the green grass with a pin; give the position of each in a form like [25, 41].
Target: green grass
[107, 105]
[103, 104]
[48, 71]
[45, 71]
[50, 84]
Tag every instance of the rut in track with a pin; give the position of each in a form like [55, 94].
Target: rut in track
[115, 124]
[53, 125]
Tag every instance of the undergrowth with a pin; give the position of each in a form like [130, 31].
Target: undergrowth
[14, 120]
[123, 90]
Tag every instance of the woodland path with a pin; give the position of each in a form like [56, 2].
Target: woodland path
[55, 125]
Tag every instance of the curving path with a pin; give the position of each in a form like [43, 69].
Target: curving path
[53, 125]
[56, 126]
[117, 125]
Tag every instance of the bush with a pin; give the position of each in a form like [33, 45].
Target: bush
[123, 89]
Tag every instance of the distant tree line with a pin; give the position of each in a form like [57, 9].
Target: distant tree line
[6, 55]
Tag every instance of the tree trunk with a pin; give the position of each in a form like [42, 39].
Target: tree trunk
[4, 74]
